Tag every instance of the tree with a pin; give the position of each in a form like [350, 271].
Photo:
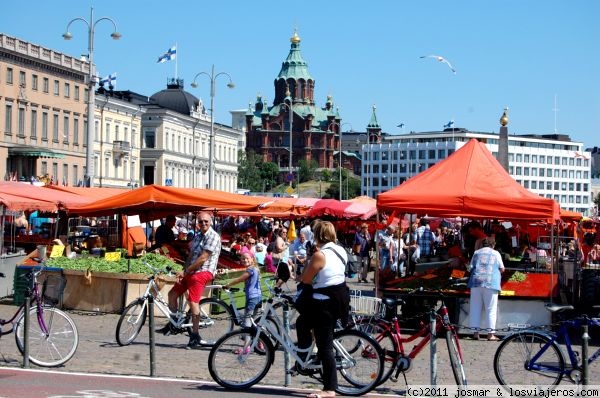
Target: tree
[254, 174]
[597, 200]
[306, 170]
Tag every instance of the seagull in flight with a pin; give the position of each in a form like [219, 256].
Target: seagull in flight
[441, 59]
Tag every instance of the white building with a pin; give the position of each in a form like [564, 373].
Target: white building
[551, 165]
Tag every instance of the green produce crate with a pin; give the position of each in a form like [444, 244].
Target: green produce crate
[21, 283]
[239, 297]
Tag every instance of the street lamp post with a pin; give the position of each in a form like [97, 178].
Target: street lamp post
[290, 123]
[91, 24]
[340, 126]
[211, 149]
[362, 161]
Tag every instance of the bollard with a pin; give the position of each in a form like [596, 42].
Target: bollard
[584, 355]
[433, 349]
[26, 321]
[286, 354]
[151, 326]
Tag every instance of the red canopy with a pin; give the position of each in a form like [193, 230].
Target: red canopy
[469, 183]
[33, 197]
[360, 208]
[154, 201]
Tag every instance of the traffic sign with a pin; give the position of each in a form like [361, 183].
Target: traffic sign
[289, 190]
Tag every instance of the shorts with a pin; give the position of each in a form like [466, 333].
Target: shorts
[194, 284]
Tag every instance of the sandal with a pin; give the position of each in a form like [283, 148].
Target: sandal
[242, 351]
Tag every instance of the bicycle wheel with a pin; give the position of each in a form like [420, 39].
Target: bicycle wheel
[376, 328]
[232, 364]
[275, 326]
[360, 369]
[526, 358]
[216, 319]
[455, 359]
[48, 349]
[131, 322]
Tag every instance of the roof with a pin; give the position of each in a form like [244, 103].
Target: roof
[294, 66]
[469, 183]
[175, 98]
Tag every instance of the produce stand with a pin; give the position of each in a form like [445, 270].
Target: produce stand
[520, 302]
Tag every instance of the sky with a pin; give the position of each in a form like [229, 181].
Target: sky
[539, 58]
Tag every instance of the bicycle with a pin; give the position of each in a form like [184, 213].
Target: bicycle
[53, 337]
[389, 335]
[534, 357]
[243, 357]
[216, 316]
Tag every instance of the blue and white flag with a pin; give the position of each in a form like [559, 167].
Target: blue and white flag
[449, 124]
[168, 56]
[111, 79]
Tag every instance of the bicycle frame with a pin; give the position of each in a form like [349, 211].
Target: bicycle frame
[160, 303]
[34, 293]
[424, 333]
[563, 332]
[286, 340]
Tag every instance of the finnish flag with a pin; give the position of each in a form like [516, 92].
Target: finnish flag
[168, 56]
[450, 124]
[111, 79]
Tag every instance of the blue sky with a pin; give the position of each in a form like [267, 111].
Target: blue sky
[514, 53]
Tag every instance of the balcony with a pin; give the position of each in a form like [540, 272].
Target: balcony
[120, 148]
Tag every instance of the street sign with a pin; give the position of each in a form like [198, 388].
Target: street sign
[168, 182]
[289, 190]
[289, 177]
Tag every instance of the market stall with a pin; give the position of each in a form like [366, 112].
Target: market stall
[471, 184]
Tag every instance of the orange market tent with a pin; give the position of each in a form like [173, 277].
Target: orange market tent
[93, 193]
[155, 201]
[469, 183]
[33, 194]
[360, 208]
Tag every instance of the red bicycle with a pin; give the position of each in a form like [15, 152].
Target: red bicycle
[388, 335]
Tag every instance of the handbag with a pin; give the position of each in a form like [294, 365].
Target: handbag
[356, 248]
[303, 299]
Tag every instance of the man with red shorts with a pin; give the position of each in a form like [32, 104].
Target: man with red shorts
[200, 269]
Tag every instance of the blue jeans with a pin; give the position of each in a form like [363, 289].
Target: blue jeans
[251, 304]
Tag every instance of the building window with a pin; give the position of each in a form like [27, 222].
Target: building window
[75, 131]
[76, 93]
[519, 172]
[34, 82]
[9, 76]
[563, 186]
[54, 170]
[556, 185]
[542, 172]
[548, 185]
[556, 160]
[33, 123]
[56, 88]
[564, 161]
[526, 184]
[44, 125]
[8, 120]
[441, 153]
[85, 132]
[542, 159]
[519, 157]
[67, 90]
[65, 176]
[75, 173]
[432, 154]
[22, 77]
[533, 158]
[571, 186]
[44, 167]
[66, 130]
[55, 128]
[21, 122]
[117, 133]
[46, 85]
[149, 139]
[422, 154]
[526, 171]
[526, 158]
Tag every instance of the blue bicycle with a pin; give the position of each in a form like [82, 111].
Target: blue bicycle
[533, 357]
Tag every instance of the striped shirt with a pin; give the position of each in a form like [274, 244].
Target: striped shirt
[210, 241]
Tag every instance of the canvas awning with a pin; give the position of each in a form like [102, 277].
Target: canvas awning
[34, 152]
[469, 183]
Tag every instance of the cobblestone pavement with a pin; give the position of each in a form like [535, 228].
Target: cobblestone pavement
[98, 352]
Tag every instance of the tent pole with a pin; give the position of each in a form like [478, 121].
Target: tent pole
[2, 230]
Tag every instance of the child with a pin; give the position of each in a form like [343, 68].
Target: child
[251, 279]
[269, 266]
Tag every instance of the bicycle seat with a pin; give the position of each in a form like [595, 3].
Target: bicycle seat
[393, 302]
[558, 307]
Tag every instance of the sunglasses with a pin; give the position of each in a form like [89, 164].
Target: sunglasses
[204, 221]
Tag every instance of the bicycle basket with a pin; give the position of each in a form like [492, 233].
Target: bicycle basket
[53, 288]
[365, 305]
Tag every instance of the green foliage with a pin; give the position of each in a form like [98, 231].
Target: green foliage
[306, 170]
[99, 264]
[326, 175]
[350, 187]
[254, 174]
[517, 277]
